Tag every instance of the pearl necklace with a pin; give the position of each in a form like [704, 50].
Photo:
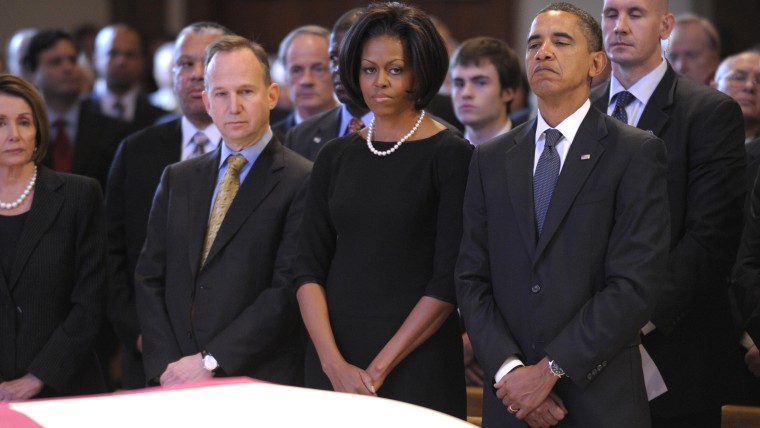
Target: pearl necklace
[24, 194]
[371, 129]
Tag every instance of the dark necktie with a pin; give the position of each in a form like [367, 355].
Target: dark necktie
[118, 110]
[622, 99]
[198, 142]
[545, 177]
[62, 149]
[354, 125]
[228, 188]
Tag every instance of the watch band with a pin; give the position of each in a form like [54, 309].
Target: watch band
[556, 369]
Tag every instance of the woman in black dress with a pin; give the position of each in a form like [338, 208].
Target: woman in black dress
[382, 226]
[52, 260]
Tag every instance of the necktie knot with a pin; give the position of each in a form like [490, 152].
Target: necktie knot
[235, 162]
[198, 141]
[552, 138]
[118, 109]
[60, 125]
[355, 124]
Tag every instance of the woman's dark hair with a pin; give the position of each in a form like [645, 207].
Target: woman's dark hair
[423, 47]
[18, 87]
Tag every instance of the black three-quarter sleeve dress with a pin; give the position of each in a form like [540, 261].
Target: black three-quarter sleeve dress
[379, 233]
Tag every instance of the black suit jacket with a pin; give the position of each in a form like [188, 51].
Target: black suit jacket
[747, 271]
[51, 306]
[146, 114]
[693, 345]
[581, 291]
[241, 305]
[308, 138]
[282, 127]
[134, 176]
[95, 144]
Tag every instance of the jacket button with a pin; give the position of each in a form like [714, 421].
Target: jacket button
[535, 289]
[604, 363]
[189, 334]
[599, 367]
[589, 376]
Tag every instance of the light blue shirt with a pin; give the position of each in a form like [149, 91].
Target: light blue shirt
[251, 154]
[346, 116]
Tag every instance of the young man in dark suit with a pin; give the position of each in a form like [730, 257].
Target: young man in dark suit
[213, 280]
[83, 141]
[690, 334]
[564, 246]
[134, 176]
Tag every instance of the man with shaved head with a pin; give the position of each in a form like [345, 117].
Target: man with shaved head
[120, 63]
[689, 340]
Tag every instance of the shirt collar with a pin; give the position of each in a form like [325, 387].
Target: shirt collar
[251, 153]
[346, 116]
[189, 130]
[568, 127]
[644, 87]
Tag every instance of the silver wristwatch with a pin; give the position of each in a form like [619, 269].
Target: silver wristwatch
[209, 362]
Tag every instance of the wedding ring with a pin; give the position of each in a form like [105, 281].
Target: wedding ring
[511, 410]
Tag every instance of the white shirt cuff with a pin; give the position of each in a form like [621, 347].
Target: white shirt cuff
[510, 364]
[648, 328]
[747, 341]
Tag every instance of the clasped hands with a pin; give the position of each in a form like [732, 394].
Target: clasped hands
[346, 377]
[527, 393]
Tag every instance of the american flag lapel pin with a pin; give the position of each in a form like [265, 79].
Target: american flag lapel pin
[585, 157]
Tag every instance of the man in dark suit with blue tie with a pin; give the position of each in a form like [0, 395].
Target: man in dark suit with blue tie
[564, 246]
[213, 280]
[134, 176]
[690, 336]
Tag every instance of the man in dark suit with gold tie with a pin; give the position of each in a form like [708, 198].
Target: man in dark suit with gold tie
[134, 176]
[564, 246]
[213, 280]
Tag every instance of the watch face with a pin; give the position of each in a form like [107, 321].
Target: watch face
[209, 363]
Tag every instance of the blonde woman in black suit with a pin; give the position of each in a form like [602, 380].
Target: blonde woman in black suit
[52, 260]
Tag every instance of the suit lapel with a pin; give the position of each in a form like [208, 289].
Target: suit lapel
[655, 114]
[519, 172]
[45, 207]
[259, 182]
[583, 155]
[201, 191]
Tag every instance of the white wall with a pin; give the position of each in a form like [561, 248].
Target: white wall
[66, 14]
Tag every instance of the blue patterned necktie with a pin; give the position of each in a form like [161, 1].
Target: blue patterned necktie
[545, 178]
[622, 99]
